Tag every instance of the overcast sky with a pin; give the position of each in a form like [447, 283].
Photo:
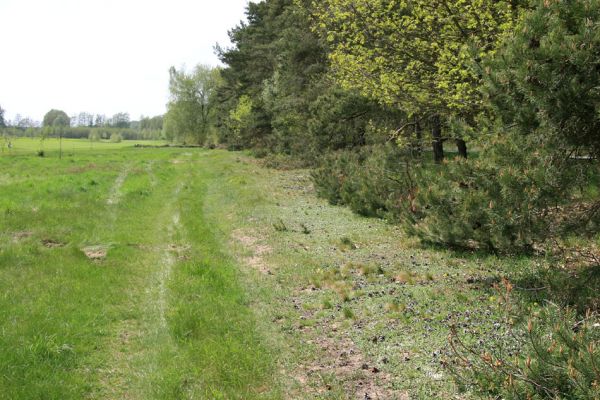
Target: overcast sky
[104, 56]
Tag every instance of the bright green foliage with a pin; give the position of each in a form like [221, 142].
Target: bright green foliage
[240, 122]
[55, 118]
[189, 114]
[420, 55]
[536, 177]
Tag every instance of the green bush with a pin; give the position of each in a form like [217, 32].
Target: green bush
[374, 181]
[116, 137]
[555, 354]
[518, 193]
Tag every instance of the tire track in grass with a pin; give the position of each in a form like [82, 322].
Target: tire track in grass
[97, 250]
[141, 340]
[115, 192]
[190, 332]
[150, 171]
[168, 261]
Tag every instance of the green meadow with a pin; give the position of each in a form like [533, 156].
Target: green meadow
[24, 145]
[170, 273]
[113, 285]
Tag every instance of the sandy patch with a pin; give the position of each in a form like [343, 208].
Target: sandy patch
[250, 241]
[95, 253]
[52, 244]
[341, 357]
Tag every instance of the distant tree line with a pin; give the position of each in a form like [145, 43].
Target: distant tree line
[84, 126]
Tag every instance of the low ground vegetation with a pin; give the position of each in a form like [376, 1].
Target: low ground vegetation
[300, 298]
[494, 246]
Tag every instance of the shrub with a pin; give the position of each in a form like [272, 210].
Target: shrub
[555, 354]
[116, 137]
[375, 181]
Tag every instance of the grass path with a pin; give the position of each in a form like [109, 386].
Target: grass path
[138, 340]
[220, 279]
[161, 314]
[115, 191]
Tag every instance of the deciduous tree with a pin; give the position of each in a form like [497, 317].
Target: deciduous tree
[189, 110]
[419, 55]
[52, 116]
[2, 121]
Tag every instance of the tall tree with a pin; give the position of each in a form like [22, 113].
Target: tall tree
[120, 120]
[188, 114]
[2, 121]
[99, 120]
[420, 55]
[276, 76]
[52, 116]
[59, 124]
[251, 61]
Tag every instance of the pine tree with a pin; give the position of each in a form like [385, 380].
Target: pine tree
[536, 176]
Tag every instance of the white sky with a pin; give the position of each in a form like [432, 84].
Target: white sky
[104, 56]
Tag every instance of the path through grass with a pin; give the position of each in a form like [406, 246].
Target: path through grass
[159, 311]
[208, 276]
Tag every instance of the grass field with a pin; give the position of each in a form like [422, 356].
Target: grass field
[69, 146]
[112, 284]
[135, 273]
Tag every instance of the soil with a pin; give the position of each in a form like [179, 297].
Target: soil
[95, 253]
[251, 242]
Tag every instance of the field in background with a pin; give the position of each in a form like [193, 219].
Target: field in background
[33, 145]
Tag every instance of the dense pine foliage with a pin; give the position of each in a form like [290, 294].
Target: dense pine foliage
[370, 92]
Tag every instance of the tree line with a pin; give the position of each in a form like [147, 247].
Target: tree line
[473, 124]
[84, 126]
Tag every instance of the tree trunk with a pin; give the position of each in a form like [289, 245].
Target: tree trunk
[419, 137]
[438, 144]
[461, 145]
